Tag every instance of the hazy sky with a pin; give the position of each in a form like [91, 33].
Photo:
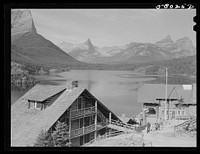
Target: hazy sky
[108, 27]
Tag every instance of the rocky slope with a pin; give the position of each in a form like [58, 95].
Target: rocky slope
[132, 53]
[21, 23]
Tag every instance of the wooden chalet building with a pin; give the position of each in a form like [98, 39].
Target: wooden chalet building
[181, 102]
[42, 106]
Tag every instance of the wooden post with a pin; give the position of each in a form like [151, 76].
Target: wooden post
[69, 125]
[35, 103]
[95, 122]
[166, 96]
[168, 108]
[83, 124]
[29, 104]
[157, 112]
[144, 116]
[110, 117]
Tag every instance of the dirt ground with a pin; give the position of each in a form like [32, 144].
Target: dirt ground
[161, 138]
[169, 138]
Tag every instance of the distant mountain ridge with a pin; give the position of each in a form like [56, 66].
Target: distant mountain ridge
[164, 49]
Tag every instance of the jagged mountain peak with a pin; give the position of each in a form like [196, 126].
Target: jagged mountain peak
[88, 41]
[185, 38]
[89, 45]
[185, 43]
[30, 47]
[166, 39]
[22, 22]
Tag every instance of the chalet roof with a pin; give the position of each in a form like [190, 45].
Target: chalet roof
[26, 124]
[148, 93]
[42, 92]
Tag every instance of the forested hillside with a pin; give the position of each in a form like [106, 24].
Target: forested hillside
[186, 66]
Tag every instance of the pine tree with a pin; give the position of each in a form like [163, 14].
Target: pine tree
[44, 140]
[61, 135]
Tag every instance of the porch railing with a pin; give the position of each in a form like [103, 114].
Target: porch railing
[76, 132]
[137, 141]
[84, 111]
[182, 117]
[89, 129]
[83, 130]
[101, 125]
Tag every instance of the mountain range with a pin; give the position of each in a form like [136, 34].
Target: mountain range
[133, 52]
[29, 47]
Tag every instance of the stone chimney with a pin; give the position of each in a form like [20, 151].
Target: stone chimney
[74, 84]
[71, 85]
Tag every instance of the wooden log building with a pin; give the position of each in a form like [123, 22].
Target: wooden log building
[41, 107]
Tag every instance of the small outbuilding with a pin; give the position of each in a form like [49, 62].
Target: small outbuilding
[180, 102]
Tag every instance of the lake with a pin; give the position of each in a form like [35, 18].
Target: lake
[115, 89]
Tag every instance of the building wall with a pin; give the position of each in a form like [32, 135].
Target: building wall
[174, 111]
[81, 102]
[86, 138]
[191, 111]
[75, 142]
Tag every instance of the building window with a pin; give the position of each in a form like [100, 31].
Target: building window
[87, 138]
[182, 112]
[75, 124]
[38, 105]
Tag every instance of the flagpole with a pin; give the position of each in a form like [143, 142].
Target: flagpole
[166, 95]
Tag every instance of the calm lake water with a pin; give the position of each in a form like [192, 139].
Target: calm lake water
[116, 89]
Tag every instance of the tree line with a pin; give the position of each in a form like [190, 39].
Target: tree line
[185, 66]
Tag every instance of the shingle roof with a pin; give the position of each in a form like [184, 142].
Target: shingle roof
[26, 124]
[150, 92]
[42, 92]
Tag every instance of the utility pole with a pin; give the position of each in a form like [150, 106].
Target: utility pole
[166, 95]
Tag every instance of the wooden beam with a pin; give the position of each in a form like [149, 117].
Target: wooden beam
[144, 117]
[110, 117]
[35, 104]
[157, 112]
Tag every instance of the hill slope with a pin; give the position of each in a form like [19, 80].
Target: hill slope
[29, 46]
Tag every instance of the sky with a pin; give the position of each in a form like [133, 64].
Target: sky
[110, 27]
